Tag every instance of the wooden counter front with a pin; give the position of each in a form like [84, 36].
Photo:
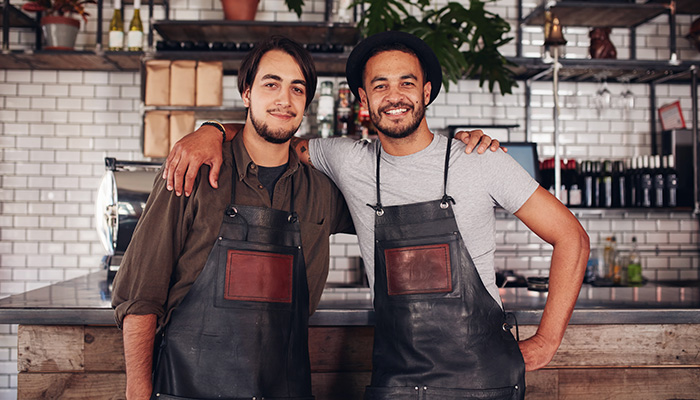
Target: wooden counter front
[593, 362]
[621, 344]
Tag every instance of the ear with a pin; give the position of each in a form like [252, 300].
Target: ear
[427, 89]
[363, 97]
[246, 97]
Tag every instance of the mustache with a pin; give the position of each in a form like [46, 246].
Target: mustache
[282, 111]
[396, 105]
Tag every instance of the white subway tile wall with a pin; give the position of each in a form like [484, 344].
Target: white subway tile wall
[57, 127]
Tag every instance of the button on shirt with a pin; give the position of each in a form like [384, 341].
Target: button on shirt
[175, 234]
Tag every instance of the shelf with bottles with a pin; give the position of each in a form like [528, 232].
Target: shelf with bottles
[643, 182]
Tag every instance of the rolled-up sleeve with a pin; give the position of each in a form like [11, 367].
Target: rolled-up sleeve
[142, 282]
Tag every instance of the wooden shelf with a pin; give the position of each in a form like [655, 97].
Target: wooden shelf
[253, 31]
[18, 19]
[683, 6]
[72, 60]
[598, 14]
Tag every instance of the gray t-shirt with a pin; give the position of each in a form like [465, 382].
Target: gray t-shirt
[477, 182]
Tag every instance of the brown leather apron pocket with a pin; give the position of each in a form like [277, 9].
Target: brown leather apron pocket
[418, 269]
[258, 276]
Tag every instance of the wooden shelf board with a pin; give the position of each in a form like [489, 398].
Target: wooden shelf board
[71, 60]
[598, 15]
[253, 31]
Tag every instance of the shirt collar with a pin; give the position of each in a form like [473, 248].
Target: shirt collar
[243, 160]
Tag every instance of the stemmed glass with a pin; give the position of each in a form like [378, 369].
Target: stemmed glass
[627, 101]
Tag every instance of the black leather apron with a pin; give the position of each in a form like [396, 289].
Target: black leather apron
[241, 332]
[439, 334]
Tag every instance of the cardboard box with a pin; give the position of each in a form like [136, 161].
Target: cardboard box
[182, 82]
[156, 134]
[181, 124]
[157, 83]
[209, 88]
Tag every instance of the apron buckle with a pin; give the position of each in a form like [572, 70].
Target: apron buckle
[293, 217]
[378, 209]
[232, 211]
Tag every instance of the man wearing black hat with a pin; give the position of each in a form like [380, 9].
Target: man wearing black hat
[427, 238]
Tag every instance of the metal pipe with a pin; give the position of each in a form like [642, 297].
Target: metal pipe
[557, 152]
[6, 26]
[696, 141]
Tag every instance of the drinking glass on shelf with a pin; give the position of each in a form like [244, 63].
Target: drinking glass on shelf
[627, 101]
[602, 99]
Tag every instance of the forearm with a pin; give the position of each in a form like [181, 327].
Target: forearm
[139, 334]
[568, 266]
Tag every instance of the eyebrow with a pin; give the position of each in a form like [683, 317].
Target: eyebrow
[382, 78]
[278, 78]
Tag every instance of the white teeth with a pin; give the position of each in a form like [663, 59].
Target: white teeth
[397, 111]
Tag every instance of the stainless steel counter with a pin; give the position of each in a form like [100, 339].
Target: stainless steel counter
[86, 301]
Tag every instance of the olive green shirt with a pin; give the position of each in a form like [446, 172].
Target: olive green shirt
[175, 234]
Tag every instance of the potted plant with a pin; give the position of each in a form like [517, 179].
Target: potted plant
[245, 10]
[465, 40]
[60, 30]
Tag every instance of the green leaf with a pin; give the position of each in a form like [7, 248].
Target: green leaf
[447, 30]
[295, 5]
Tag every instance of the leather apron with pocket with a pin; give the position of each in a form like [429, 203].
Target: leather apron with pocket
[439, 334]
[241, 332]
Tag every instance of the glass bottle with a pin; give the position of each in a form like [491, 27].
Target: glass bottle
[343, 110]
[116, 28]
[634, 268]
[134, 38]
[324, 114]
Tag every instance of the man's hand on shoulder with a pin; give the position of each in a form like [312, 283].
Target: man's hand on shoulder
[478, 137]
[202, 146]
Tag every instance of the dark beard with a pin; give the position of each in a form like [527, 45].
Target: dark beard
[398, 132]
[279, 136]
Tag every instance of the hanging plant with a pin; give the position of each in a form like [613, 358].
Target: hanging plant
[465, 40]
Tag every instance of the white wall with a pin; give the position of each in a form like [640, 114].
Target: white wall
[57, 126]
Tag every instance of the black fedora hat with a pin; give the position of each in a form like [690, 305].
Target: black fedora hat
[360, 54]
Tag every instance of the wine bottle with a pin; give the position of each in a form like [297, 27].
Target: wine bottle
[634, 268]
[657, 182]
[343, 110]
[116, 28]
[645, 183]
[670, 182]
[134, 38]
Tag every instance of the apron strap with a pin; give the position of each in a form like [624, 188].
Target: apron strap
[445, 197]
[378, 207]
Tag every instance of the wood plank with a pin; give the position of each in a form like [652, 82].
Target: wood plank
[50, 348]
[339, 385]
[629, 383]
[104, 349]
[341, 348]
[626, 345]
[541, 384]
[68, 386]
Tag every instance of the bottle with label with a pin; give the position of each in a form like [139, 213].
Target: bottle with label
[343, 110]
[324, 114]
[610, 256]
[619, 185]
[364, 123]
[634, 268]
[645, 183]
[116, 28]
[657, 182]
[575, 195]
[134, 39]
[670, 182]
[606, 184]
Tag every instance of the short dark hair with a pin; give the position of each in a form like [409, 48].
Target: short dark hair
[249, 65]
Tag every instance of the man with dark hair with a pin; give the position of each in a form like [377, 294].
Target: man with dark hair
[227, 278]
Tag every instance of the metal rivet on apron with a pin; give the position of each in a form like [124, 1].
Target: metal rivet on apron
[516, 387]
[425, 388]
[415, 388]
[221, 238]
[444, 205]
[380, 212]
[506, 326]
